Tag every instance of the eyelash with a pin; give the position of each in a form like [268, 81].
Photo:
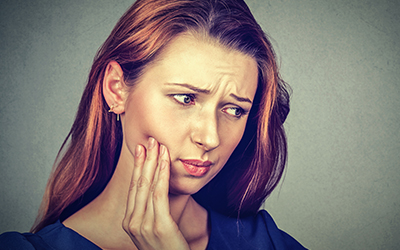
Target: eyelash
[192, 99]
[241, 111]
[191, 96]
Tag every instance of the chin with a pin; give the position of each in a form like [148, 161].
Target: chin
[186, 187]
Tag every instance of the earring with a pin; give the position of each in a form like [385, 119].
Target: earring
[112, 110]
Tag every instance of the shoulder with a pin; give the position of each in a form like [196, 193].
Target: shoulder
[54, 236]
[252, 232]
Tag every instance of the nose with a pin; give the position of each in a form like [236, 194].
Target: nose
[205, 132]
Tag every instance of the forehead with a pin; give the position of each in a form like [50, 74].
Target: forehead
[205, 63]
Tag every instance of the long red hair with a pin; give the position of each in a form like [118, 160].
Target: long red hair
[89, 154]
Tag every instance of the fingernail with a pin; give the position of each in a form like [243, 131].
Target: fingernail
[151, 143]
[138, 150]
[162, 150]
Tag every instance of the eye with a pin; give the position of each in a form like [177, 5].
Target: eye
[235, 111]
[185, 99]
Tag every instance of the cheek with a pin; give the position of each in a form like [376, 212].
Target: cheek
[152, 117]
[139, 121]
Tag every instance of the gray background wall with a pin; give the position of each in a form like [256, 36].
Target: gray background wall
[341, 189]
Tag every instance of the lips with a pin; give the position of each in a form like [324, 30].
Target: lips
[196, 167]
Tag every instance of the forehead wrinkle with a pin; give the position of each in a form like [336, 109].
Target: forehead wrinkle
[232, 86]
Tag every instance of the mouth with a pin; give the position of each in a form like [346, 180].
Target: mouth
[196, 167]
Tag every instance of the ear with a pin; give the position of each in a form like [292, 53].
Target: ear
[114, 87]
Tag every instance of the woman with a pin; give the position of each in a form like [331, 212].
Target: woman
[178, 138]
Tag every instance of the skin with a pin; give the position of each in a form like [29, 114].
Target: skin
[191, 103]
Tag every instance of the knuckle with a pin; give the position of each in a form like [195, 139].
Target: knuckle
[142, 182]
[134, 228]
[146, 230]
[133, 185]
[151, 159]
[158, 232]
[157, 195]
[153, 187]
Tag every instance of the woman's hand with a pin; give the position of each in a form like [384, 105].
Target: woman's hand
[147, 220]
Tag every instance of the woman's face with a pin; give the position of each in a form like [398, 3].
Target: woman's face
[195, 100]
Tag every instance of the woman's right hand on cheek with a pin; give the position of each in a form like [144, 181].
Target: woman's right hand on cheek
[147, 220]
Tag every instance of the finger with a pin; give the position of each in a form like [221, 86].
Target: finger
[146, 228]
[161, 200]
[157, 171]
[145, 180]
[148, 220]
[139, 158]
[151, 161]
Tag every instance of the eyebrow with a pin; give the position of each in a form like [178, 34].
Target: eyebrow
[241, 99]
[206, 91]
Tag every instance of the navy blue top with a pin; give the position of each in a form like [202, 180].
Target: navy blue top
[259, 232]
